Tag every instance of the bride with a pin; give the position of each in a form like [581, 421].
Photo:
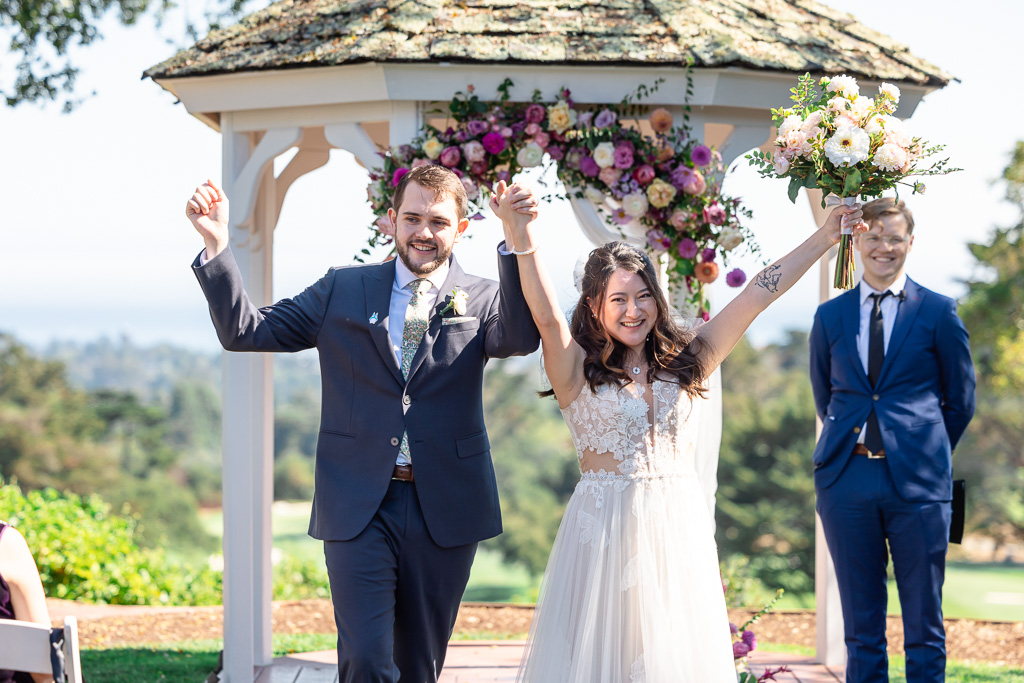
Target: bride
[632, 590]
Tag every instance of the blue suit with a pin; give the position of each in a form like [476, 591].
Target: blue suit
[923, 400]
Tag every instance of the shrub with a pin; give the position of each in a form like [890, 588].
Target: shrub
[86, 552]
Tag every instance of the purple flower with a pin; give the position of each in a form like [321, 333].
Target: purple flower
[397, 177]
[605, 119]
[657, 240]
[534, 113]
[740, 650]
[494, 143]
[450, 156]
[584, 119]
[623, 156]
[714, 214]
[687, 248]
[748, 636]
[735, 278]
[476, 128]
[589, 167]
[700, 156]
[556, 152]
[462, 136]
[704, 315]
[680, 176]
[733, 628]
[502, 175]
[707, 255]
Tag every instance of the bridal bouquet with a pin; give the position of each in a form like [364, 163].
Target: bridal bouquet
[845, 144]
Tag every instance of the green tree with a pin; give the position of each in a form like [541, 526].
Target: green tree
[765, 501]
[45, 33]
[991, 455]
[534, 462]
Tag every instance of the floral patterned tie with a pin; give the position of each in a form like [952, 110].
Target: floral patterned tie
[416, 316]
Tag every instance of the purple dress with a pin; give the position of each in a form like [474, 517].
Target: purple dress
[7, 612]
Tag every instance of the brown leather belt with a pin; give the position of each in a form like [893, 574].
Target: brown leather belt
[861, 449]
[402, 473]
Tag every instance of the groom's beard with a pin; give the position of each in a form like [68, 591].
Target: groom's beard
[405, 252]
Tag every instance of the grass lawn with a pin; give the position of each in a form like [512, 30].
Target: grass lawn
[193, 660]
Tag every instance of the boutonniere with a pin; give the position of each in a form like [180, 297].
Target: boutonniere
[456, 302]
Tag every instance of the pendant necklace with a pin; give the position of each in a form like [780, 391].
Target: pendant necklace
[636, 369]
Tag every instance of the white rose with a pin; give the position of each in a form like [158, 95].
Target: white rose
[604, 154]
[729, 238]
[780, 163]
[459, 301]
[790, 124]
[531, 155]
[635, 205]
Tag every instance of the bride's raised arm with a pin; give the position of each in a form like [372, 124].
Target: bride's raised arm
[725, 329]
[563, 358]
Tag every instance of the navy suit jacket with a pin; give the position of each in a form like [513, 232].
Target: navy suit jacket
[367, 404]
[924, 397]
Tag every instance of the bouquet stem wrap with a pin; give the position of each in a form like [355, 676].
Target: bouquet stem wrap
[845, 263]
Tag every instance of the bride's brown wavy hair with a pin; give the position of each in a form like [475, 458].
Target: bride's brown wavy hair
[670, 351]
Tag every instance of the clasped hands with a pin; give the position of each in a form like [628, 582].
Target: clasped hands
[516, 206]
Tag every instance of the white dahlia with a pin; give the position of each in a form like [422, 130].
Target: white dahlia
[890, 157]
[844, 85]
[848, 147]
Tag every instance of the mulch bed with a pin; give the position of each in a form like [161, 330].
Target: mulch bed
[109, 626]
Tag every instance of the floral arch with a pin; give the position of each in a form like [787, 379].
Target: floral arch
[648, 180]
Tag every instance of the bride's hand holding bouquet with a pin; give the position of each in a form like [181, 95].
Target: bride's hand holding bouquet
[848, 145]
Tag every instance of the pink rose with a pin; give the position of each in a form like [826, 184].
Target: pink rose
[679, 219]
[534, 113]
[696, 184]
[609, 176]
[397, 177]
[474, 151]
[644, 174]
[532, 129]
[451, 156]
[542, 139]
[384, 226]
[421, 162]
[714, 214]
[478, 168]
[506, 132]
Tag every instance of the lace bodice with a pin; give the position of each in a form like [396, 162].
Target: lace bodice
[634, 431]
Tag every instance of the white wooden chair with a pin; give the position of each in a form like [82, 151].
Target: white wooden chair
[25, 646]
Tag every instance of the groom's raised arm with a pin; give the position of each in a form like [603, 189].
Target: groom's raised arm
[288, 325]
[510, 328]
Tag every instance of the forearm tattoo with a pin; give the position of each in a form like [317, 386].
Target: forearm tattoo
[769, 278]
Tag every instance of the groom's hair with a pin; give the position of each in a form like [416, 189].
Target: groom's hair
[435, 177]
[888, 206]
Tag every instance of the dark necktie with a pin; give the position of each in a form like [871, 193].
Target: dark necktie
[876, 356]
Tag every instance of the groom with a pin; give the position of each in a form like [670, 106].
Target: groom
[404, 482]
[894, 386]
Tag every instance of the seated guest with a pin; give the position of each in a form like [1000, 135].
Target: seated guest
[21, 593]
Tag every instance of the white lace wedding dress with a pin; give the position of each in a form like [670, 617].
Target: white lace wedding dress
[632, 591]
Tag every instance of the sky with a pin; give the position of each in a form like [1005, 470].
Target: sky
[94, 241]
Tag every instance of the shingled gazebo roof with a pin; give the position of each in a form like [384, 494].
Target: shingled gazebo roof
[775, 35]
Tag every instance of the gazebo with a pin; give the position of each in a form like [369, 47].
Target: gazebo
[360, 75]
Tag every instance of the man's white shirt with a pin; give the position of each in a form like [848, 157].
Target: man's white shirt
[890, 307]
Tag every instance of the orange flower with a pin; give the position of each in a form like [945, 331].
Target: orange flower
[706, 272]
[661, 120]
[665, 153]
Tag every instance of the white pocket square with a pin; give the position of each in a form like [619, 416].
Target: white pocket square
[458, 319]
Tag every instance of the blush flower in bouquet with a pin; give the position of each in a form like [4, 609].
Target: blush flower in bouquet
[846, 144]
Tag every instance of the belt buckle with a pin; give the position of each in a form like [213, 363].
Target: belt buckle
[876, 456]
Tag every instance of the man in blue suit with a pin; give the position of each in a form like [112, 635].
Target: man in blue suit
[894, 387]
[405, 486]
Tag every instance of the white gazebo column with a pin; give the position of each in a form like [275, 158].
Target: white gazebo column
[830, 645]
[248, 413]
